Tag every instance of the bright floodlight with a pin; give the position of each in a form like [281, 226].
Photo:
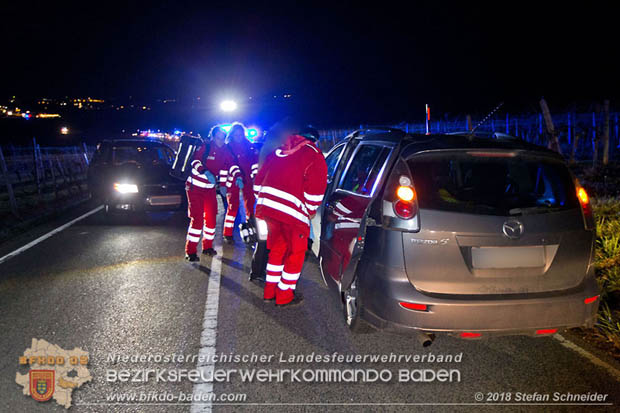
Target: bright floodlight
[228, 105]
[64, 130]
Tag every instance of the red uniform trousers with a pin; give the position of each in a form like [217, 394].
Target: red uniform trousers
[233, 205]
[287, 246]
[202, 211]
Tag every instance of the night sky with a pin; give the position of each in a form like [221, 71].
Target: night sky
[340, 61]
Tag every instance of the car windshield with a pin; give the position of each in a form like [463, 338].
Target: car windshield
[142, 155]
[492, 183]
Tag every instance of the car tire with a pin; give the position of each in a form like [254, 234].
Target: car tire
[353, 308]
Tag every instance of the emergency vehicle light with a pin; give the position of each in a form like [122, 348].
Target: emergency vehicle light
[228, 106]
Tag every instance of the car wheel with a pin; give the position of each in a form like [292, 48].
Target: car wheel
[353, 308]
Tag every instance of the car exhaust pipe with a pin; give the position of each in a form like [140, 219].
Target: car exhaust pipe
[425, 339]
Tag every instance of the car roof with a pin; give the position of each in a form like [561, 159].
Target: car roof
[460, 140]
[128, 142]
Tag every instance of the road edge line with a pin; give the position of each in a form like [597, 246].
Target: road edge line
[203, 391]
[49, 234]
[585, 353]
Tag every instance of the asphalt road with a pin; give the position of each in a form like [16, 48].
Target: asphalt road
[124, 289]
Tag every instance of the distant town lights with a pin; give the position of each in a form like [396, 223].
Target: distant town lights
[228, 106]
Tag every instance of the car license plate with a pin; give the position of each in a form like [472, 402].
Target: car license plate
[508, 257]
[164, 200]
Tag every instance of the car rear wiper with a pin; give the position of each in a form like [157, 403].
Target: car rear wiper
[532, 210]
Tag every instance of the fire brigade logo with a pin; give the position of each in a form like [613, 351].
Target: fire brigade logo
[41, 384]
[54, 373]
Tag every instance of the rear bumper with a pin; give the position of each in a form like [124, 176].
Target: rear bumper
[521, 314]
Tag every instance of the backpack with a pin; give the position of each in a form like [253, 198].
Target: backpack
[181, 167]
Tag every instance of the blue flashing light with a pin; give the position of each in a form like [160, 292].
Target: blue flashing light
[226, 127]
[252, 132]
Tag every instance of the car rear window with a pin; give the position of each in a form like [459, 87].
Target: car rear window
[492, 183]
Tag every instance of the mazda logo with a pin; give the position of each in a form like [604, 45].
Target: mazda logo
[513, 229]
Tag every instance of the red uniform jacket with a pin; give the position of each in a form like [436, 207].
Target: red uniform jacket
[247, 159]
[219, 162]
[289, 187]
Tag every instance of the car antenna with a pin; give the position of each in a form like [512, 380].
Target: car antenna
[471, 133]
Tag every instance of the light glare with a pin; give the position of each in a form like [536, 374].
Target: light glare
[126, 188]
[228, 105]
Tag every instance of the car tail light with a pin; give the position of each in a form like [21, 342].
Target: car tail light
[586, 206]
[405, 205]
[400, 200]
[590, 300]
[414, 306]
[405, 193]
[547, 331]
[470, 335]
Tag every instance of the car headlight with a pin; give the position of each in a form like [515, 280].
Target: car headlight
[126, 188]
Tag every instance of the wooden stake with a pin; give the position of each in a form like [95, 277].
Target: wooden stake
[606, 133]
[554, 143]
[9, 186]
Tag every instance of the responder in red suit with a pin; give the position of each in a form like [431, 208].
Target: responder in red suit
[246, 157]
[218, 165]
[289, 188]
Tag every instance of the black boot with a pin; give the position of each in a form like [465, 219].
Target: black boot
[297, 299]
[210, 252]
[259, 262]
[229, 240]
[192, 257]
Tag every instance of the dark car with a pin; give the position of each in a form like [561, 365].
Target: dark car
[457, 234]
[133, 175]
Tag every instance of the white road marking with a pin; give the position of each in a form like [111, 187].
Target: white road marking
[591, 357]
[202, 400]
[49, 234]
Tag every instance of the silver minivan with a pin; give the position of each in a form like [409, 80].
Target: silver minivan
[466, 235]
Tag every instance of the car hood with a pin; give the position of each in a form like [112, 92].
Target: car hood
[141, 174]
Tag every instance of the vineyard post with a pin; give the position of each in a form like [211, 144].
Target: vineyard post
[595, 136]
[9, 186]
[51, 166]
[554, 143]
[517, 127]
[606, 132]
[36, 165]
[569, 131]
